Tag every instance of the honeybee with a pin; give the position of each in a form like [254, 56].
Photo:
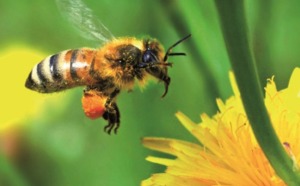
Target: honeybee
[104, 71]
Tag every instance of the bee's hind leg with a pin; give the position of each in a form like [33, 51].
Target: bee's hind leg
[112, 115]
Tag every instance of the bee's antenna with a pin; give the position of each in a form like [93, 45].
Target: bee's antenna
[168, 53]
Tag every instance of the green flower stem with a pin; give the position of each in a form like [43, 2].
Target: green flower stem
[233, 22]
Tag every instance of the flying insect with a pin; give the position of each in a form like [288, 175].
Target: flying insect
[104, 71]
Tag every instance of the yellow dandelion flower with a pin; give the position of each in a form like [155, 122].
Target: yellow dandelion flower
[229, 153]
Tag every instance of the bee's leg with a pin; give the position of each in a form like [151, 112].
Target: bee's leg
[117, 118]
[113, 119]
[111, 97]
[161, 75]
[112, 113]
[166, 81]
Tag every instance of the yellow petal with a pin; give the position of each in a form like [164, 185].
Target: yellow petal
[229, 153]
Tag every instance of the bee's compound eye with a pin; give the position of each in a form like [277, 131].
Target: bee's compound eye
[149, 57]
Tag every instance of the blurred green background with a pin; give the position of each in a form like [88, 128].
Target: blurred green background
[60, 146]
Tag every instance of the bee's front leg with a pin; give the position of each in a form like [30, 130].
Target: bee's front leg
[162, 75]
[112, 113]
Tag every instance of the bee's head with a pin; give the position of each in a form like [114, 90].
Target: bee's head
[152, 54]
[154, 61]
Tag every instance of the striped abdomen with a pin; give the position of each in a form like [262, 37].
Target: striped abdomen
[62, 71]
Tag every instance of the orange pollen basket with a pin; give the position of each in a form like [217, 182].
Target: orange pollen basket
[93, 105]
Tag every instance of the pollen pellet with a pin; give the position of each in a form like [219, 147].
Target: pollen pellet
[93, 105]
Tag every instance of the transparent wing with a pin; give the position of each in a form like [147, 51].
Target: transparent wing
[83, 19]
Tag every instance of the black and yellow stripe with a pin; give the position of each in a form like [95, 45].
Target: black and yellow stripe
[73, 67]
[61, 71]
[54, 69]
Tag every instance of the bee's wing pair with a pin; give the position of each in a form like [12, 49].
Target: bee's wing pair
[83, 19]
